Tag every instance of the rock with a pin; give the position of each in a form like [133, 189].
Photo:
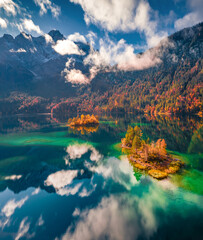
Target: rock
[139, 166]
[157, 174]
[172, 169]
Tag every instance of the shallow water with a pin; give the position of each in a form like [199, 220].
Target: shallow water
[58, 183]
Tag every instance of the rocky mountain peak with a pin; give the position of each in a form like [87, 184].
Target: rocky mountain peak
[56, 35]
[8, 37]
[24, 36]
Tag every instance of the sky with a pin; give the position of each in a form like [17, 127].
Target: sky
[139, 22]
[116, 30]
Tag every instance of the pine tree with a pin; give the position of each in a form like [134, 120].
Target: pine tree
[136, 143]
[137, 140]
[129, 136]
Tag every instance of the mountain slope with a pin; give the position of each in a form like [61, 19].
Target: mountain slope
[31, 66]
[27, 60]
[172, 87]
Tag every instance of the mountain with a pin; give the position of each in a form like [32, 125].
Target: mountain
[31, 79]
[30, 64]
[56, 35]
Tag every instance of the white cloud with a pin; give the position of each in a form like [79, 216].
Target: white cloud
[36, 191]
[23, 229]
[77, 37]
[8, 210]
[69, 190]
[120, 171]
[119, 54]
[91, 36]
[63, 182]
[75, 76]
[11, 206]
[193, 17]
[28, 24]
[188, 20]
[67, 47]
[27, 36]
[76, 212]
[61, 178]
[78, 150]
[122, 15]
[25, 23]
[70, 62]
[86, 192]
[111, 15]
[13, 177]
[48, 38]
[9, 7]
[122, 55]
[143, 23]
[48, 5]
[3, 23]
[40, 221]
[104, 221]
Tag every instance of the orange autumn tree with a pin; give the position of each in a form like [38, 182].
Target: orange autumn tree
[155, 151]
[150, 157]
[83, 120]
[144, 149]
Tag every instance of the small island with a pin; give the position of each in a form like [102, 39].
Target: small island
[83, 120]
[149, 157]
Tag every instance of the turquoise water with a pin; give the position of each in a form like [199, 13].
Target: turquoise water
[57, 183]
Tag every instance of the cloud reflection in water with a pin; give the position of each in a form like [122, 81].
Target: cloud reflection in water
[117, 217]
[78, 150]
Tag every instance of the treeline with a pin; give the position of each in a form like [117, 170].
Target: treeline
[173, 92]
[83, 120]
[177, 91]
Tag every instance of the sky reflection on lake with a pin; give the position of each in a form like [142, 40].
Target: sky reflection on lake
[59, 185]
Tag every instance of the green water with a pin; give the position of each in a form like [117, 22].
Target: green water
[56, 183]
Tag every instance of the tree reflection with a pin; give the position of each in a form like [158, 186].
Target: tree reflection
[83, 129]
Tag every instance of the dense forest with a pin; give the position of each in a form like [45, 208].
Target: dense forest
[176, 92]
[172, 87]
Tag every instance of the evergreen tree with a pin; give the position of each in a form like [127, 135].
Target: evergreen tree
[137, 140]
[129, 136]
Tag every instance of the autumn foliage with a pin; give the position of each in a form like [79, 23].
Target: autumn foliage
[83, 120]
[151, 157]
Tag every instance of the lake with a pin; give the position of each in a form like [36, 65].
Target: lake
[62, 183]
